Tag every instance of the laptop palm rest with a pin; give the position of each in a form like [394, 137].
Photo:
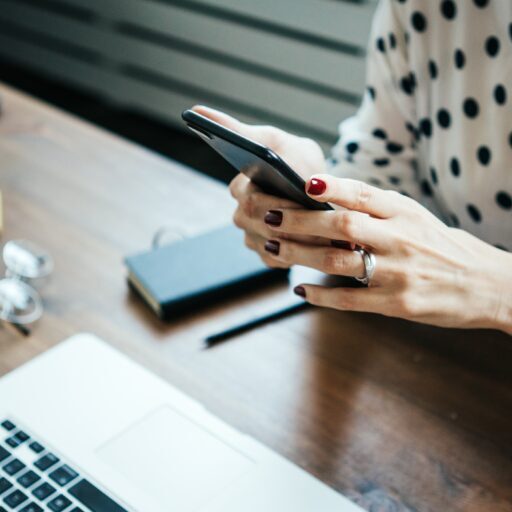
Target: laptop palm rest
[174, 460]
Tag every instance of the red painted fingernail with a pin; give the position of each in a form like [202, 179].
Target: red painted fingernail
[274, 217]
[316, 187]
[272, 246]
[299, 290]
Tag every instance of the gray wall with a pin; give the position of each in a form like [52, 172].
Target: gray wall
[295, 63]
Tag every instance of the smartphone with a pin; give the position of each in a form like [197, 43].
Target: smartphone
[259, 163]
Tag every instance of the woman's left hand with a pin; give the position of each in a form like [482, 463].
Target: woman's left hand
[425, 271]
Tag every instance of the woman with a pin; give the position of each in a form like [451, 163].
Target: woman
[435, 130]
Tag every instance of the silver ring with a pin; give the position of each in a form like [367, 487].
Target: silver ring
[369, 262]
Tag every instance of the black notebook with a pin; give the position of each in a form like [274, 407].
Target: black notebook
[197, 271]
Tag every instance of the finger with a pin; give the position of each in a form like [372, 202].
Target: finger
[257, 244]
[335, 225]
[356, 195]
[262, 134]
[255, 226]
[371, 300]
[326, 259]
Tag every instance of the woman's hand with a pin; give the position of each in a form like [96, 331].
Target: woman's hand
[303, 155]
[425, 271]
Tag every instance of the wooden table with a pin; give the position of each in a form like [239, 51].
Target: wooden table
[398, 416]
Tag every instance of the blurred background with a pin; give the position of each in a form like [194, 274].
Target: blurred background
[132, 66]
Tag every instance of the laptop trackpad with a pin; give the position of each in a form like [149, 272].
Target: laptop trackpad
[174, 460]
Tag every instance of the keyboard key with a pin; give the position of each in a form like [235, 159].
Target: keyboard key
[13, 467]
[63, 475]
[31, 507]
[2, 509]
[4, 485]
[28, 478]
[13, 442]
[3, 453]
[59, 503]
[42, 491]
[76, 509]
[21, 436]
[46, 461]
[93, 498]
[36, 447]
[8, 425]
[15, 498]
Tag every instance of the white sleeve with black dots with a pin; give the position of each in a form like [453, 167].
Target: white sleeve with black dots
[436, 117]
[378, 144]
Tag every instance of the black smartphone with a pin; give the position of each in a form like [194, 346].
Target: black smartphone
[259, 163]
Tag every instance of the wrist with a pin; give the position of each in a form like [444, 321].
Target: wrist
[500, 316]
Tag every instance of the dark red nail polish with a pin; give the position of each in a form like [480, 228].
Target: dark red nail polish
[274, 217]
[299, 290]
[272, 246]
[316, 187]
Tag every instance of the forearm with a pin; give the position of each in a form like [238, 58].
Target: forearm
[503, 271]
[492, 292]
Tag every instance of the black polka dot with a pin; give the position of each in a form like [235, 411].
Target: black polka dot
[433, 175]
[459, 58]
[443, 118]
[381, 44]
[484, 155]
[379, 133]
[402, 1]
[432, 69]
[412, 79]
[510, 139]
[426, 189]
[411, 128]
[470, 107]
[352, 147]
[394, 180]
[371, 92]
[404, 193]
[375, 181]
[492, 46]
[394, 147]
[481, 3]
[454, 220]
[381, 162]
[474, 213]
[449, 9]
[349, 159]
[419, 22]
[455, 167]
[500, 94]
[510, 30]
[392, 40]
[407, 85]
[426, 127]
[504, 200]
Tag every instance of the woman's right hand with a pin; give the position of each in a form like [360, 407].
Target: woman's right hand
[303, 155]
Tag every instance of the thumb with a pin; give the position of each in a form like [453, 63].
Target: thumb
[220, 117]
[263, 134]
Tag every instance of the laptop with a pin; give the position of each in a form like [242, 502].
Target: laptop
[83, 428]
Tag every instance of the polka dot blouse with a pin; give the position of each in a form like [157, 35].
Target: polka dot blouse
[436, 118]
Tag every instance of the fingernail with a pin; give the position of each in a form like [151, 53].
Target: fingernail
[272, 246]
[299, 290]
[274, 217]
[316, 187]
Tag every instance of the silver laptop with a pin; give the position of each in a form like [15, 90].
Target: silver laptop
[83, 428]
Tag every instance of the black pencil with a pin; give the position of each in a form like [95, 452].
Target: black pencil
[251, 324]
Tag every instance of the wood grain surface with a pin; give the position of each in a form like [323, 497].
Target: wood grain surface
[397, 416]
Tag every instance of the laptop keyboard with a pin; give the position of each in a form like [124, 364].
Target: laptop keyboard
[34, 479]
